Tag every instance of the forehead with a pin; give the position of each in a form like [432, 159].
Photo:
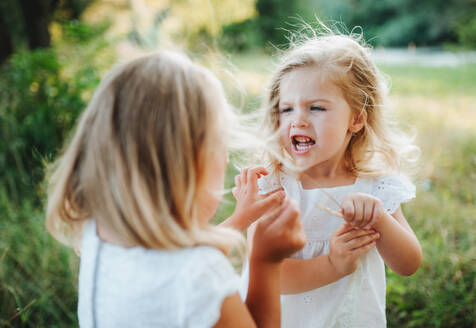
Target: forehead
[308, 83]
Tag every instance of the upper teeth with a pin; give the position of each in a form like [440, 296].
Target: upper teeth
[302, 139]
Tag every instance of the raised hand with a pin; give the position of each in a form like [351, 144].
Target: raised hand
[278, 234]
[347, 245]
[250, 205]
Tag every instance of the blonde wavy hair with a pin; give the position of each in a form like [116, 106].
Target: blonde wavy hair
[345, 60]
[137, 161]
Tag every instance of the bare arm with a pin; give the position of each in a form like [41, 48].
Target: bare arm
[347, 245]
[398, 245]
[265, 308]
[299, 276]
[262, 308]
[277, 235]
[233, 308]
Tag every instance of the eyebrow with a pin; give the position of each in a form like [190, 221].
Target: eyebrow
[310, 101]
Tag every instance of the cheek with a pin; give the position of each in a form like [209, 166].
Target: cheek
[284, 136]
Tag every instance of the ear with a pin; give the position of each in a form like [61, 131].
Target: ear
[357, 122]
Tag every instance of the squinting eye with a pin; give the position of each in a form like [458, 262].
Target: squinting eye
[317, 108]
[285, 110]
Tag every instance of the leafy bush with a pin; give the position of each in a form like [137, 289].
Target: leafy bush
[241, 36]
[466, 30]
[388, 22]
[41, 94]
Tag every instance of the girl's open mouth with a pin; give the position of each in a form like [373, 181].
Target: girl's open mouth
[302, 144]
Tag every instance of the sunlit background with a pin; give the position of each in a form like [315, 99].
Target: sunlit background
[53, 54]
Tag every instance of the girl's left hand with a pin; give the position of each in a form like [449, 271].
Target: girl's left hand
[362, 210]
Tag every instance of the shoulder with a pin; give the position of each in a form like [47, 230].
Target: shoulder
[392, 189]
[191, 266]
[211, 280]
[183, 287]
[210, 261]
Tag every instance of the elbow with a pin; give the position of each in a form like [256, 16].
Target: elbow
[413, 265]
[409, 271]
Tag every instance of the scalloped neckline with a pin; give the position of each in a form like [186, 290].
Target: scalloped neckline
[357, 180]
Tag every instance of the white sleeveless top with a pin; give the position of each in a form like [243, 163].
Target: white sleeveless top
[357, 300]
[138, 287]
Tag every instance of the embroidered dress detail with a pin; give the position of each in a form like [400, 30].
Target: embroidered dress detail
[393, 190]
[268, 183]
[357, 300]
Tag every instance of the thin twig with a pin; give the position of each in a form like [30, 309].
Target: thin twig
[20, 311]
[321, 190]
[329, 196]
[330, 211]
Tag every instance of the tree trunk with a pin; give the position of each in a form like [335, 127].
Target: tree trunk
[6, 43]
[37, 16]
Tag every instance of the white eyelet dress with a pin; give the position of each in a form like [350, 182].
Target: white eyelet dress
[357, 300]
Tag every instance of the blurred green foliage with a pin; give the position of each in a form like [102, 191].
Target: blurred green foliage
[42, 93]
[392, 23]
[38, 276]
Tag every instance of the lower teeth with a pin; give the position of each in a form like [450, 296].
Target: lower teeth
[304, 147]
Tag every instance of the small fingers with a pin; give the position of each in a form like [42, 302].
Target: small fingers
[366, 215]
[358, 213]
[272, 192]
[377, 212]
[343, 229]
[362, 241]
[237, 180]
[244, 176]
[348, 210]
[364, 249]
[272, 199]
[259, 170]
[253, 175]
[355, 233]
[272, 215]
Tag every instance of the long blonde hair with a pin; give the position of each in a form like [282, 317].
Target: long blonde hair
[345, 60]
[137, 159]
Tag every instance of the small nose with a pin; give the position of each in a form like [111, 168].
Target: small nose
[300, 119]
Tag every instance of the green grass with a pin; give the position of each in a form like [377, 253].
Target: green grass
[432, 81]
[38, 276]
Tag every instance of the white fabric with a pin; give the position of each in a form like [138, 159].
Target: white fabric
[357, 300]
[137, 287]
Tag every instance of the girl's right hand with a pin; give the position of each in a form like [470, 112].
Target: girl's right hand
[278, 234]
[347, 245]
[250, 205]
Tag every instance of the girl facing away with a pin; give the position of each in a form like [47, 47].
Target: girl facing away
[335, 151]
[136, 188]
